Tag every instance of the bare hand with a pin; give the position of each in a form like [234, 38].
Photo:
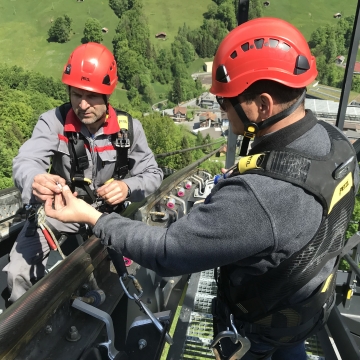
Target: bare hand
[113, 192]
[67, 208]
[45, 186]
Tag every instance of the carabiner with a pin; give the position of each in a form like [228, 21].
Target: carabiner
[136, 284]
[236, 338]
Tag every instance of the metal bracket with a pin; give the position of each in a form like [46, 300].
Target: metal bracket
[105, 317]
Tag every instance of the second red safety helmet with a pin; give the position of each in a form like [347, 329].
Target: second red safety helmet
[91, 67]
[262, 49]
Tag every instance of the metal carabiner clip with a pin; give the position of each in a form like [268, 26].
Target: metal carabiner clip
[136, 284]
[236, 338]
[142, 306]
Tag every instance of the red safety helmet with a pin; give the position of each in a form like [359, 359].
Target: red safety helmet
[91, 67]
[262, 49]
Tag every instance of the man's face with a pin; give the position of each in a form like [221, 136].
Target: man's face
[250, 109]
[88, 106]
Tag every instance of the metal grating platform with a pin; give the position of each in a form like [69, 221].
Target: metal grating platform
[200, 330]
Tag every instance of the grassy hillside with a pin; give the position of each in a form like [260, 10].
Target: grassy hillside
[309, 15]
[168, 15]
[24, 25]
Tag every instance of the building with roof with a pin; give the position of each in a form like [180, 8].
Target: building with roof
[208, 101]
[327, 109]
[208, 66]
[179, 113]
[161, 35]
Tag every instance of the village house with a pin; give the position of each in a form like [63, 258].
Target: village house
[339, 60]
[208, 66]
[207, 119]
[161, 35]
[179, 113]
[208, 101]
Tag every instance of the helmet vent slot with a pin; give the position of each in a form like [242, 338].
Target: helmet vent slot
[245, 47]
[233, 55]
[259, 43]
[273, 43]
[285, 47]
[106, 80]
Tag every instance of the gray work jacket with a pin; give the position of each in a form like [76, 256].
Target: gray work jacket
[49, 143]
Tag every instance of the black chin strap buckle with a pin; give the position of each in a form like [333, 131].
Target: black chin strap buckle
[251, 130]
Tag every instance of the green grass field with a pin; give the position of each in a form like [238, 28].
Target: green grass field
[307, 16]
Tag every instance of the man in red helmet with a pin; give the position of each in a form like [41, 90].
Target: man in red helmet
[275, 227]
[87, 145]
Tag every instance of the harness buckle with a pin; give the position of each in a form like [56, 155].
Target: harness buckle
[236, 338]
[122, 140]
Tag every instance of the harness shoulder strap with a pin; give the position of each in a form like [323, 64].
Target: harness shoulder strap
[308, 172]
[122, 142]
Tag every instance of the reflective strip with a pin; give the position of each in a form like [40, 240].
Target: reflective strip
[63, 138]
[327, 283]
[100, 148]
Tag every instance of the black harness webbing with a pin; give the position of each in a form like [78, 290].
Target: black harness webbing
[79, 160]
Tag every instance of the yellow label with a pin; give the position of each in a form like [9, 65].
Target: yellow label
[248, 163]
[123, 122]
[341, 190]
[251, 129]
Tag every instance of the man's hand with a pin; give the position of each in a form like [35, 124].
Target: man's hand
[114, 192]
[45, 186]
[67, 208]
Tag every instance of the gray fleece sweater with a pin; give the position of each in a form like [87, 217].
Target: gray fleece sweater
[250, 221]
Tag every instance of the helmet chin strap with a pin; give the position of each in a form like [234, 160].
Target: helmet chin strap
[252, 128]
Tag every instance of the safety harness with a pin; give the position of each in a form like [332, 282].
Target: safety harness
[78, 156]
[261, 310]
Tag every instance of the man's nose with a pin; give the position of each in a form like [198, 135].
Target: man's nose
[83, 104]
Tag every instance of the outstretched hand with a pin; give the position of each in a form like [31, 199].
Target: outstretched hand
[45, 186]
[67, 208]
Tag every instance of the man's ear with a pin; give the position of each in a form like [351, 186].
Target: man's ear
[266, 105]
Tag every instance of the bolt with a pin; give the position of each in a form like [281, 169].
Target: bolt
[73, 334]
[48, 329]
[86, 287]
[142, 343]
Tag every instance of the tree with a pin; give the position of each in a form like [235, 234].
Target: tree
[60, 29]
[119, 6]
[211, 11]
[92, 31]
[176, 93]
[186, 157]
[255, 9]
[226, 14]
